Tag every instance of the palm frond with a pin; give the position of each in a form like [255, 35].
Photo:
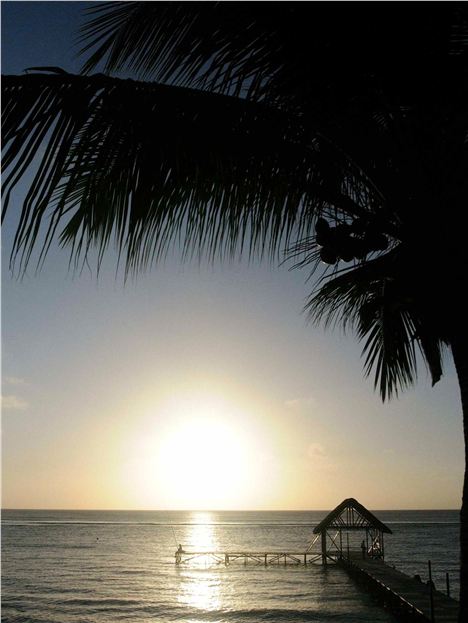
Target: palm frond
[432, 350]
[367, 300]
[188, 44]
[288, 49]
[146, 163]
[388, 331]
[339, 299]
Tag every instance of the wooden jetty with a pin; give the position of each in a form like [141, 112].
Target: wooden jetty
[406, 597]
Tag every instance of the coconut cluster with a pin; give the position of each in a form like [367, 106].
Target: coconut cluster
[348, 242]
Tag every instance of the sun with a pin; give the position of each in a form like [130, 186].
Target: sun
[204, 462]
[194, 452]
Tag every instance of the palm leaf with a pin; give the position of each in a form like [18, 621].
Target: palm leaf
[145, 163]
[294, 50]
[368, 299]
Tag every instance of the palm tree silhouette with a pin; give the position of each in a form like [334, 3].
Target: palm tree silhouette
[337, 132]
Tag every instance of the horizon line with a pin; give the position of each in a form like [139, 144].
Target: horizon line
[211, 510]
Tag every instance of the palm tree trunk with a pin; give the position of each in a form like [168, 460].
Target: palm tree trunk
[460, 357]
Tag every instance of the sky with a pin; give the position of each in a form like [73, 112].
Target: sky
[196, 386]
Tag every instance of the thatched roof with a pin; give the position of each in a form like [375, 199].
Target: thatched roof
[350, 515]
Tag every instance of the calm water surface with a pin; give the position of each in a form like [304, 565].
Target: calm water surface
[99, 567]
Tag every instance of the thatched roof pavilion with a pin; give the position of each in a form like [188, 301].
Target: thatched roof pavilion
[350, 515]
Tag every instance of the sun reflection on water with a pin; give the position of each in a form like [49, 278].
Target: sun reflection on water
[201, 535]
[200, 586]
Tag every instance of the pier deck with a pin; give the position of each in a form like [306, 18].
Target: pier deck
[402, 593]
[259, 558]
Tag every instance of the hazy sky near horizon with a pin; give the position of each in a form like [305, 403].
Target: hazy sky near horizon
[196, 387]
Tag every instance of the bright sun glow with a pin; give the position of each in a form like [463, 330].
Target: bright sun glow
[195, 453]
[204, 461]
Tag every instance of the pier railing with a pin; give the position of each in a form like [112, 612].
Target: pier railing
[406, 597]
[389, 598]
[258, 558]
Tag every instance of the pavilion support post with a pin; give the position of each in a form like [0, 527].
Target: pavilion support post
[324, 547]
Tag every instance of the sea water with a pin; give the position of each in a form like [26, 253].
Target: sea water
[109, 566]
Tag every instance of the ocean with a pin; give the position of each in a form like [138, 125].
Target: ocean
[110, 566]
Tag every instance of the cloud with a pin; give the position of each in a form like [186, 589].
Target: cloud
[13, 380]
[315, 449]
[13, 403]
[319, 460]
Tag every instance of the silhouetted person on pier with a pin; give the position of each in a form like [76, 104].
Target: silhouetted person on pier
[363, 549]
